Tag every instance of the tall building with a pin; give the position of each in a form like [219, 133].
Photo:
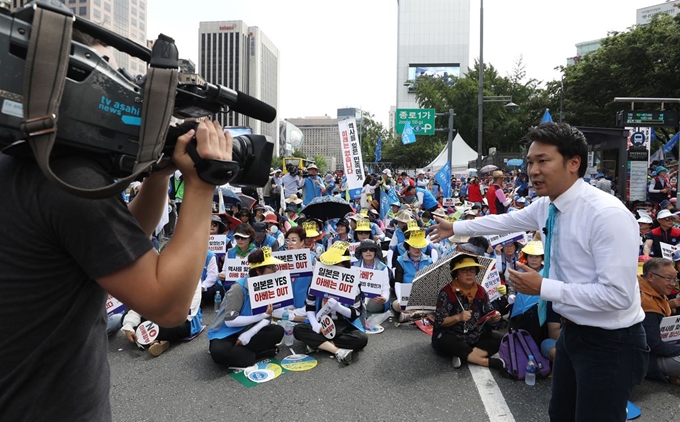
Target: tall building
[124, 17]
[433, 39]
[244, 59]
[582, 49]
[321, 137]
[644, 15]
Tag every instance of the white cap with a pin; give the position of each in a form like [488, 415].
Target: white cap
[663, 214]
[388, 172]
[421, 172]
[645, 219]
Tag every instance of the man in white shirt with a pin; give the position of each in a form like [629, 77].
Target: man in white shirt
[602, 350]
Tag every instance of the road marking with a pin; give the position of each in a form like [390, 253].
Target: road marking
[492, 398]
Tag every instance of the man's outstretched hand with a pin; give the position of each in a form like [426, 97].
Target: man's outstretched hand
[441, 231]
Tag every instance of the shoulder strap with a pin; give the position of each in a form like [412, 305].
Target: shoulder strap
[44, 80]
[514, 370]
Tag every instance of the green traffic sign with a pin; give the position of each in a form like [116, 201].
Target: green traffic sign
[421, 119]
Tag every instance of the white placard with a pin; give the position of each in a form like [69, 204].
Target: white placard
[235, 268]
[336, 282]
[448, 202]
[298, 262]
[511, 237]
[352, 249]
[275, 289]
[667, 250]
[114, 306]
[146, 333]
[351, 153]
[403, 291]
[670, 329]
[492, 281]
[373, 282]
[218, 244]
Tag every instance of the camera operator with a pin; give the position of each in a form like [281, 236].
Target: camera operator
[53, 344]
[291, 181]
[314, 185]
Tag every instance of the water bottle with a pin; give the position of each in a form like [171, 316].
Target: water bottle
[287, 330]
[530, 377]
[218, 300]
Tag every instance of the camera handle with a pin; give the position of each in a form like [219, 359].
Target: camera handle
[214, 172]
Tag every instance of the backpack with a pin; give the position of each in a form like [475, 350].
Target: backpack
[516, 346]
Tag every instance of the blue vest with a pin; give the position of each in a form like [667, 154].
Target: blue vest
[410, 268]
[196, 324]
[268, 240]
[429, 201]
[358, 323]
[223, 331]
[300, 288]
[205, 267]
[311, 189]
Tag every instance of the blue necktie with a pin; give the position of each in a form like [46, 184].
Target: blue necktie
[550, 228]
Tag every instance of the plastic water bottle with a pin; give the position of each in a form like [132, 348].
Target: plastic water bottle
[287, 330]
[530, 377]
[218, 300]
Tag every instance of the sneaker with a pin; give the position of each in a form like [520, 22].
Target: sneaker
[158, 348]
[404, 317]
[309, 350]
[456, 362]
[344, 356]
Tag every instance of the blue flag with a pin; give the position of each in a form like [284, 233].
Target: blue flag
[443, 177]
[387, 198]
[407, 136]
[547, 118]
[378, 150]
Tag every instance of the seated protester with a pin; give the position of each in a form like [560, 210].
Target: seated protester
[291, 217]
[237, 337]
[530, 312]
[444, 247]
[507, 255]
[258, 213]
[295, 239]
[398, 250]
[243, 236]
[322, 238]
[424, 198]
[376, 233]
[390, 216]
[401, 222]
[656, 282]
[245, 216]
[408, 265]
[343, 233]
[192, 326]
[427, 219]
[274, 228]
[113, 324]
[460, 306]
[313, 238]
[350, 334]
[362, 230]
[210, 283]
[645, 223]
[664, 233]
[374, 218]
[262, 238]
[369, 255]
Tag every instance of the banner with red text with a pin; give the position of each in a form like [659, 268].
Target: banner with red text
[373, 282]
[351, 156]
[275, 289]
[339, 283]
[298, 262]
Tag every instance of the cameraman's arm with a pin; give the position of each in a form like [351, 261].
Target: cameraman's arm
[151, 202]
[161, 287]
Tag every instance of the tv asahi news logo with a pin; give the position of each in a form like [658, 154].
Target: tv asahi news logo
[227, 27]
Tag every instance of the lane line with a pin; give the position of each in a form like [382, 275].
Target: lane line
[492, 398]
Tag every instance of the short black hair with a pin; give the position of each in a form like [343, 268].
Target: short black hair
[570, 142]
[480, 241]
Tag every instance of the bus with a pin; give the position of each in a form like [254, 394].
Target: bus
[300, 163]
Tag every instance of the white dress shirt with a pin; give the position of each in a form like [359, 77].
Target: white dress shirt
[593, 262]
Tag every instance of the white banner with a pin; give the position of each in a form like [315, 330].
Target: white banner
[373, 281]
[235, 268]
[667, 250]
[352, 249]
[403, 291]
[492, 280]
[512, 237]
[448, 202]
[336, 282]
[670, 329]
[298, 262]
[218, 244]
[351, 154]
[275, 289]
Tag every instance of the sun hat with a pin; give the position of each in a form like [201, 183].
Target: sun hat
[355, 217]
[260, 227]
[338, 252]
[412, 225]
[464, 260]
[310, 229]
[294, 199]
[417, 239]
[368, 245]
[270, 217]
[663, 204]
[396, 204]
[291, 208]
[268, 259]
[241, 235]
[535, 247]
[387, 172]
[218, 220]
[404, 216]
[645, 219]
[439, 212]
[663, 214]
[660, 169]
[312, 166]
[363, 225]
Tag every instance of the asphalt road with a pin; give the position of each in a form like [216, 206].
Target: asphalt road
[397, 377]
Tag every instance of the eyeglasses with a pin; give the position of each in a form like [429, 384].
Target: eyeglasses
[668, 279]
[292, 240]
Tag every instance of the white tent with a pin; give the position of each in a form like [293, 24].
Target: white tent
[462, 154]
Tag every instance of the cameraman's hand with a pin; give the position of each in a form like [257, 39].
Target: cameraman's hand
[212, 143]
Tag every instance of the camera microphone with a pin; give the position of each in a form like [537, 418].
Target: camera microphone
[245, 104]
[545, 231]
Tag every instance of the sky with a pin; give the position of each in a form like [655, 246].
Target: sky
[344, 53]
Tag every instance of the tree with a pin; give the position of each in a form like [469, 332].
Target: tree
[641, 62]
[321, 163]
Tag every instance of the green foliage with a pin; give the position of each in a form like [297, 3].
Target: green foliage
[299, 154]
[321, 163]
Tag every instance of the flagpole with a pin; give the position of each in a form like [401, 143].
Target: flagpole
[480, 95]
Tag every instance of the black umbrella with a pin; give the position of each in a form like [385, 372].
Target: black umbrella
[230, 198]
[246, 201]
[326, 208]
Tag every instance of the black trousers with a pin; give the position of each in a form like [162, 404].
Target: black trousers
[263, 345]
[347, 336]
[208, 296]
[175, 333]
[450, 345]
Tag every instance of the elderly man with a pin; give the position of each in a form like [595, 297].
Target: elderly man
[313, 184]
[498, 203]
[421, 181]
[657, 280]
[658, 187]
[603, 184]
[665, 233]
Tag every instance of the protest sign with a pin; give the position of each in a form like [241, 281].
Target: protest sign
[146, 333]
[492, 280]
[373, 281]
[114, 306]
[297, 262]
[235, 268]
[275, 289]
[351, 156]
[403, 291]
[667, 250]
[352, 249]
[511, 237]
[448, 202]
[217, 243]
[670, 329]
[336, 282]
[327, 327]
